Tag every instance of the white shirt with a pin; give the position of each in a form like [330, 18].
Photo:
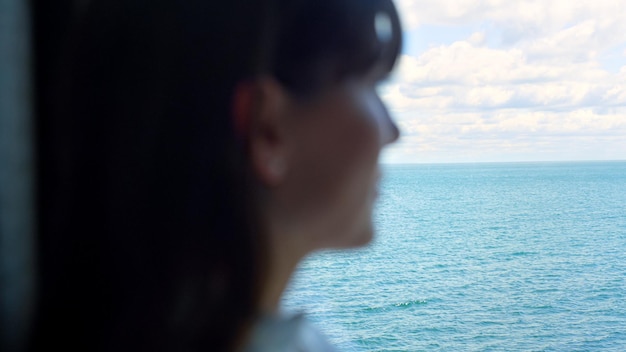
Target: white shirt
[287, 334]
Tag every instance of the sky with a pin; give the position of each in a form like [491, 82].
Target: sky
[509, 80]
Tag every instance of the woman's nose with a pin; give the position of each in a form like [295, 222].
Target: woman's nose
[389, 130]
[394, 131]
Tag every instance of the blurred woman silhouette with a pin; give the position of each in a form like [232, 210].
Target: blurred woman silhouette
[199, 151]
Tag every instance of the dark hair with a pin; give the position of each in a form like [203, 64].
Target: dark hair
[148, 228]
[321, 42]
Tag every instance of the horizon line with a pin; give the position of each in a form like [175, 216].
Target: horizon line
[505, 162]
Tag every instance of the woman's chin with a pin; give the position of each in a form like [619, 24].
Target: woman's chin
[362, 238]
[365, 240]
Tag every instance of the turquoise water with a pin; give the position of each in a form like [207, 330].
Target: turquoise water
[480, 257]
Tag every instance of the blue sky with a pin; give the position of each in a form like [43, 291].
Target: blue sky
[510, 80]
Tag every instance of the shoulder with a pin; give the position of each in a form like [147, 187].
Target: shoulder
[286, 334]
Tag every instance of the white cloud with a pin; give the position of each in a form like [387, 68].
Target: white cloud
[523, 81]
[517, 122]
[544, 29]
[477, 38]
[512, 135]
[463, 76]
[539, 15]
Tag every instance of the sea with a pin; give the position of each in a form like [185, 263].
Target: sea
[480, 257]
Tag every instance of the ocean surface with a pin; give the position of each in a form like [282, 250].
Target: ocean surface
[480, 257]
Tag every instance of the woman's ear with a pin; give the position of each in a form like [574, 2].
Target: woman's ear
[261, 109]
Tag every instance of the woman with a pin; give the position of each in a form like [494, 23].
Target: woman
[199, 152]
